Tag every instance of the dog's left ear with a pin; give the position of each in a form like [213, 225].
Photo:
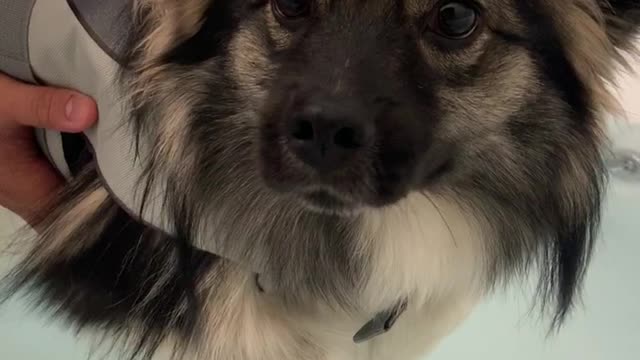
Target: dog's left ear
[622, 21]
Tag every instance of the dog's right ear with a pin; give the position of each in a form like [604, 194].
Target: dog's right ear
[167, 22]
[622, 21]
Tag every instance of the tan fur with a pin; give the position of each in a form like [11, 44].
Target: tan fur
[171, 21]
[251, 63]
[512, 74]
[249, 325]
[589, 48]
[175, 112]
[71, 221]
[281, 37]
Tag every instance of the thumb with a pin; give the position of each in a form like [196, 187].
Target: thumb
[45, 107]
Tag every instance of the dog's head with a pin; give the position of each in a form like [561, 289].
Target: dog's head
[267, 108]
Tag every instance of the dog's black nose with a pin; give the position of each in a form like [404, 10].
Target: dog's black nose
[325, 136]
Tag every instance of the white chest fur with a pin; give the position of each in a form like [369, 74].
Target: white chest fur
[428, 250]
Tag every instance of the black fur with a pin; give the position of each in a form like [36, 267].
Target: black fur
[622, 17]
[220, 20]
[129, 274]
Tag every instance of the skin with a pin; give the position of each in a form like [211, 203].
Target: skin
[27, 180]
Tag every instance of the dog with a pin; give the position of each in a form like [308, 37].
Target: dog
[388, 163]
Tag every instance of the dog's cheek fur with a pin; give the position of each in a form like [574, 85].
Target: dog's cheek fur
[249, 65]
[540, 202]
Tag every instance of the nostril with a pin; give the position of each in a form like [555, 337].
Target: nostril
[347, 138]
[302, 130]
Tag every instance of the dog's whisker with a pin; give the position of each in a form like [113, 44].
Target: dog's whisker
[444, 220]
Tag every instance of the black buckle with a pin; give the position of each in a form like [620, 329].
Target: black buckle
[380, 324]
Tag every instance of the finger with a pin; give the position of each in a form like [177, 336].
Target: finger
[45, 107]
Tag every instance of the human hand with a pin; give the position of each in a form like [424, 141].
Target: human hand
[27, 179]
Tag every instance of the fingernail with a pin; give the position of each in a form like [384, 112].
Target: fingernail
[76, 110]
[69, 110]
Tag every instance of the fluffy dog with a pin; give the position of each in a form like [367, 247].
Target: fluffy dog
[380, 159]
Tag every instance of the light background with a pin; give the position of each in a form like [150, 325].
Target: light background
[606, 327]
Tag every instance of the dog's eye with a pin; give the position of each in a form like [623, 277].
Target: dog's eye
[291, 9]
[455, 19]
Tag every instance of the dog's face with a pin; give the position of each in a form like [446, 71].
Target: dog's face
[351, 104]
[264, 110]
[364, 102]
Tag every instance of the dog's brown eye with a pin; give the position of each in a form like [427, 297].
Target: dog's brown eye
[291, 9]
[455, 19]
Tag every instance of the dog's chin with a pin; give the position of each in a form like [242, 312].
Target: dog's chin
[327, 203]
[320, 195]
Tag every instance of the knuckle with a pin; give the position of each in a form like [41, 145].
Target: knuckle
[43, 107]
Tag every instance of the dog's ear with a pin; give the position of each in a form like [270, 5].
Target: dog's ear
[596, 35]
[622, 21]
[167, 22]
